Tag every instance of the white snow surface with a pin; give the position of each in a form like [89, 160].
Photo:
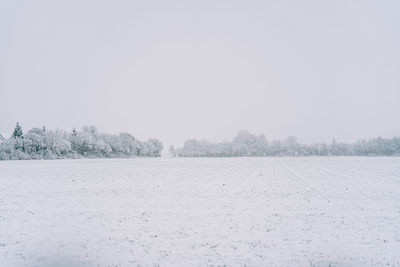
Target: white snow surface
[318, 211]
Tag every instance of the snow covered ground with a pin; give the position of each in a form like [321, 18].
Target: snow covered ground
[201, 211]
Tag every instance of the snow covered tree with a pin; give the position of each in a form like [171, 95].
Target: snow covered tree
[172, 151]
[155, 147]
[35, 141]
[58, 145]
[17, 131]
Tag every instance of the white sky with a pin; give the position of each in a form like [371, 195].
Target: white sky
[203, 69]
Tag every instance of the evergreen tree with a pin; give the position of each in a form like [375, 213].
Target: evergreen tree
[74, 132]
[17, 131]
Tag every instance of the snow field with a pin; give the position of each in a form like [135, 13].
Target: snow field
[338, 211]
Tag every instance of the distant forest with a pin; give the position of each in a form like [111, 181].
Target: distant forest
[41, 143]
[248, 144]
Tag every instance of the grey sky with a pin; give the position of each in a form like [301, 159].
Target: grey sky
[205, 69]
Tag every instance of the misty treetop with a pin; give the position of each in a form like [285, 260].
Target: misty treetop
[248, 144]
[41, 143]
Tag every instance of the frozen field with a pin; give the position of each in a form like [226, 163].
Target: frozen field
[222, 211]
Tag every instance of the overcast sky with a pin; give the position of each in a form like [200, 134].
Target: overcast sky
[203, 69]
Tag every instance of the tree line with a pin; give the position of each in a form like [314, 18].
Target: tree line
[88, 142]
[248, 144]
[41, 143]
